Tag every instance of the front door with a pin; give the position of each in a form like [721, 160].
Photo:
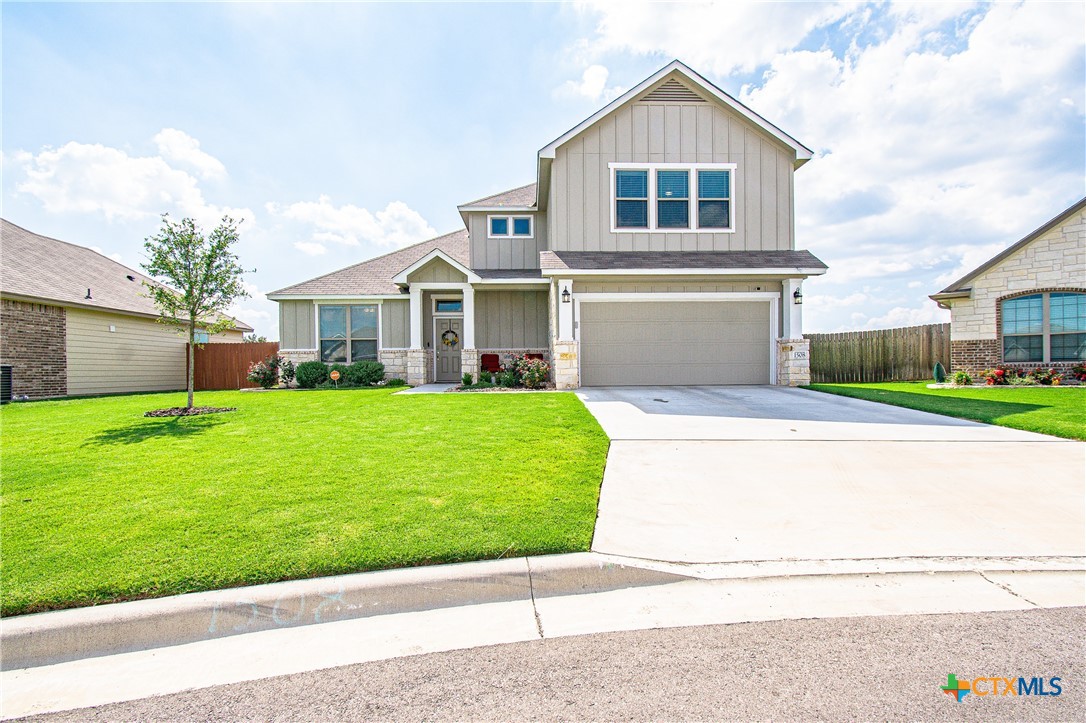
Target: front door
[447, 333]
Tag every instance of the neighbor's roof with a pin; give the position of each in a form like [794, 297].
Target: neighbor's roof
[648, 260]
[523, 197]
[965, 283]
[374, 277]
[41, 268]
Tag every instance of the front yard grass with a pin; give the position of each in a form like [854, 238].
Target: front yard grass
[101, 504]
[1059, 411]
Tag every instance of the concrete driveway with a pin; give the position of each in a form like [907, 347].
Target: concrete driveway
[752, 474]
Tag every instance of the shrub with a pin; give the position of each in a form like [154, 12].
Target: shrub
[466, 379]
[286, 372]
[365, 373]
[962, 378]
[507, 379]
[939, 373]
[532, 373]
[1079, 372]
[486, 377]
[266, 372]
[1045, 376]
[1026, 381]
[395, 382]
[342, 369]
[311, 373]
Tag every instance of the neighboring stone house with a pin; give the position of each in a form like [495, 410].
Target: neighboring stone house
[657, 246]
[1025, 307]
[74, 322]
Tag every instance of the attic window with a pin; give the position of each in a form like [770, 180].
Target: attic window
[509, 226]
[672, 92]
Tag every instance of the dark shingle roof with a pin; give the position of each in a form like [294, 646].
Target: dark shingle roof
[523, 196]
[375, 276]
[39, 267]
[637, 260]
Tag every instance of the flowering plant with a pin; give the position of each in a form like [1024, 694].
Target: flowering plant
[265, 373]
[531, 373]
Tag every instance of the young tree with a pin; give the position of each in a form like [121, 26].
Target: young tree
[254, 338]
[200, 277]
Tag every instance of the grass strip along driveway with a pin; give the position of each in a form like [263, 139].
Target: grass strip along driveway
[1059, 411]
[101, 504]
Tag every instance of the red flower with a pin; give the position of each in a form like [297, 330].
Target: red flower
[999, 372]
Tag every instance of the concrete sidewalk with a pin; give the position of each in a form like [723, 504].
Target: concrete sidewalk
[135, 650]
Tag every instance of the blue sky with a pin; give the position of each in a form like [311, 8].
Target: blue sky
[944, 132]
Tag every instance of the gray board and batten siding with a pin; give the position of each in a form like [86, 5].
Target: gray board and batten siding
[506, 253]
[662, 131]
[511, 319]
[297, 320]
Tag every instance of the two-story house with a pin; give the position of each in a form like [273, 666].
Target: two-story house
[656, 247]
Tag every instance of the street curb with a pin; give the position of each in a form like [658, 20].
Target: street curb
[55, 637]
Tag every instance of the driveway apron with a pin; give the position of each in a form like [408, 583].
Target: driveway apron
[742, 474]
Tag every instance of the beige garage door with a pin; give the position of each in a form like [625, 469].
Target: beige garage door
[674, 343]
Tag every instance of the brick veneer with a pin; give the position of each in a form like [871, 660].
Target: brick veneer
[33, 341]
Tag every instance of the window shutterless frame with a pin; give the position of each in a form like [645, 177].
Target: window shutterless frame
[344, 332]
[510, 226]
[694, 197]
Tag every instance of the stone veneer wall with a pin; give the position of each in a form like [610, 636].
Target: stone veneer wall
[469, 363]
[566, 367]
[395, 361]
[33, 341]
[793, 362]
[420, 366]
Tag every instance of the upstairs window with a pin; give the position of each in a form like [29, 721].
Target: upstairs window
[509, 226]
[632, 199]
[1044, 328]
[348, 333]
[669, 197]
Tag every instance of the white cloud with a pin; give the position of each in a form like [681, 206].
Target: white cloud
[94, 178]
[310, 249]
[713, 37]
[257, 311]
[175, 145]
[116, 257]
[592, 85]
[900, 316]
[349, 225]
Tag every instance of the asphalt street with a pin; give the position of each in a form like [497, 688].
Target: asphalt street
[827, 669]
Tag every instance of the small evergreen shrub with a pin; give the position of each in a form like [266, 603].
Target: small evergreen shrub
[486, 377]
[508, 379]
[395, 382]
[466, 380]
[364, 373]
[311, 373]
[939, 373]
[342, 369]
[286, 372]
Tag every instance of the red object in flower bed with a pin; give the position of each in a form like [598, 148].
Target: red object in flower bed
[187, 411]
[490, 363]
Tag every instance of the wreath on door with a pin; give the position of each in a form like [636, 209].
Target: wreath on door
[449, 338]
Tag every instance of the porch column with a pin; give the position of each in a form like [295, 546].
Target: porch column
[469, 317]
[565, 311]
[416, 317]
[793, 312]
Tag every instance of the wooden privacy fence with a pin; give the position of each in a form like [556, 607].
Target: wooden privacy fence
[885, 355]
[224, 366]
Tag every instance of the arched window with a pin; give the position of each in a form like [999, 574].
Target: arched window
[1046, 327]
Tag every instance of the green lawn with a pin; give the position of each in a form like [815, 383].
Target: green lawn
[1059, 411]
[100, 503]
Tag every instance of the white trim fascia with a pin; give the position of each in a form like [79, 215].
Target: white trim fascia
[803, 153]
[335, 297]
[681, 296]
[497, 209]
[510, 217]
[439, 286]
[401, 278]
[783, 273]
[503, 282]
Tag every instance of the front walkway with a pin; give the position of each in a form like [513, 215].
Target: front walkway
[432, 388]
[771, 474]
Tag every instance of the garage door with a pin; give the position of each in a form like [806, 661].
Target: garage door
[674, 343]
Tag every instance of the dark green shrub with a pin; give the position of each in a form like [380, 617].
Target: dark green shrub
[939, 373]
[486, 377]
[395, 382]
[364, 373]
[286, 372]
[466, 379]
[342, 369]
[508, 379]
[962, 378]
[311, 373]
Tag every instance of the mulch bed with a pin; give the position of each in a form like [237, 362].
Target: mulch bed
[187, 411]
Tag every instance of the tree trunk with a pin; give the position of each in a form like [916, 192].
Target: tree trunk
[192, 356]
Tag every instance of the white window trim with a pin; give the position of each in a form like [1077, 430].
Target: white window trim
[693, 168]
[446, 297]
[510, 218]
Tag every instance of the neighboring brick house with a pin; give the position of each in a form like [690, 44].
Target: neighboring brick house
[73, 322]
[656, 247]
[1025, 307]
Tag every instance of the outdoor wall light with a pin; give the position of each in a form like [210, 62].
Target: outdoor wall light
[565, 295]
[797, 295]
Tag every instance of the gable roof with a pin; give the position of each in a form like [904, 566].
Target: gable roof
[517, 198]
[965, 283]
[803, 153]
[374, 277]
[38, 267]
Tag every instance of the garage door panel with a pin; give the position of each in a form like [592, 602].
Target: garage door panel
[672, 343]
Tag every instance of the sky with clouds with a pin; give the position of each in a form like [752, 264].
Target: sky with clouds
[943, 132]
